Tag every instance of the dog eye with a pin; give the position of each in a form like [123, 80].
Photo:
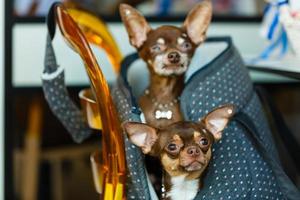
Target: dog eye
[204, 142]
[156, 49]
[186, 46]
[172, 147]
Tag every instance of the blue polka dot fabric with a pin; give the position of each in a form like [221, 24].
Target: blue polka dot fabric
[137, 185]
[238, 170]
[58, 99]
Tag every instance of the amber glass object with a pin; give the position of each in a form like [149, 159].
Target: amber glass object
[90, 109]
[96, 32]
[113, 154]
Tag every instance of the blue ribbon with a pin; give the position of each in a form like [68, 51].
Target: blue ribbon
[282, 2]
[273, 26]
[267, 9]
[164, 7]
[282, 37]
[282, 40]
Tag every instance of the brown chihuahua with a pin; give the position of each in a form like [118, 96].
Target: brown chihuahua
[167, 51]
[184, 149]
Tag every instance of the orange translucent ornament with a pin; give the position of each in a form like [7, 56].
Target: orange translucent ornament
[113, 152]
[96, 32]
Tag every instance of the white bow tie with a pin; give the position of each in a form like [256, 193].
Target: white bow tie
[163, 114]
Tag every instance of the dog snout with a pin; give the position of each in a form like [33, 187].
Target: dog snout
[193, 151]
[174, 57]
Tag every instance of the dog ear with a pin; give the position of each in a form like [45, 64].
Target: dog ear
[142, 135]
[135, 24]
[217, 120]
[197, 21]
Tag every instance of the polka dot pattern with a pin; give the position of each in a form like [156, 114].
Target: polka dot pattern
[137, 186]
[237, 170]
[50, 60]
[58, 99]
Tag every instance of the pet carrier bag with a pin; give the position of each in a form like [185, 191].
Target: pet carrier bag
[245, 164]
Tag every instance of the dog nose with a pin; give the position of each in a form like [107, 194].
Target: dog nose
[193, 151]
[174, 57]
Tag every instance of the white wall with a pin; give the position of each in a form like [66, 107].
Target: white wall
[1, 99]
[29, 48]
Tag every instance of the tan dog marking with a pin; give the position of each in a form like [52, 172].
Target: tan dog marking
[196, 135]
[171, 165]
[180, 40]
[161, 41]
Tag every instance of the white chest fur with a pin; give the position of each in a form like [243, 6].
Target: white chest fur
[183, 189]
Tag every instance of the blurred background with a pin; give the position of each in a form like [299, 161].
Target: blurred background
[25, 8]
[53, 166]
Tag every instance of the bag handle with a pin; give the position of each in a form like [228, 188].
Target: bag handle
[131, 58]
[123, 83]
[50, 20]
[55, 90]
[285, 184]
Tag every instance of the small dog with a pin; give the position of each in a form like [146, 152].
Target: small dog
[167, 51]
[184, 149]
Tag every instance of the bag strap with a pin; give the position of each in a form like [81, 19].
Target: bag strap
[50, 20]
[124, 84]
[287, 187]
[55, 90]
